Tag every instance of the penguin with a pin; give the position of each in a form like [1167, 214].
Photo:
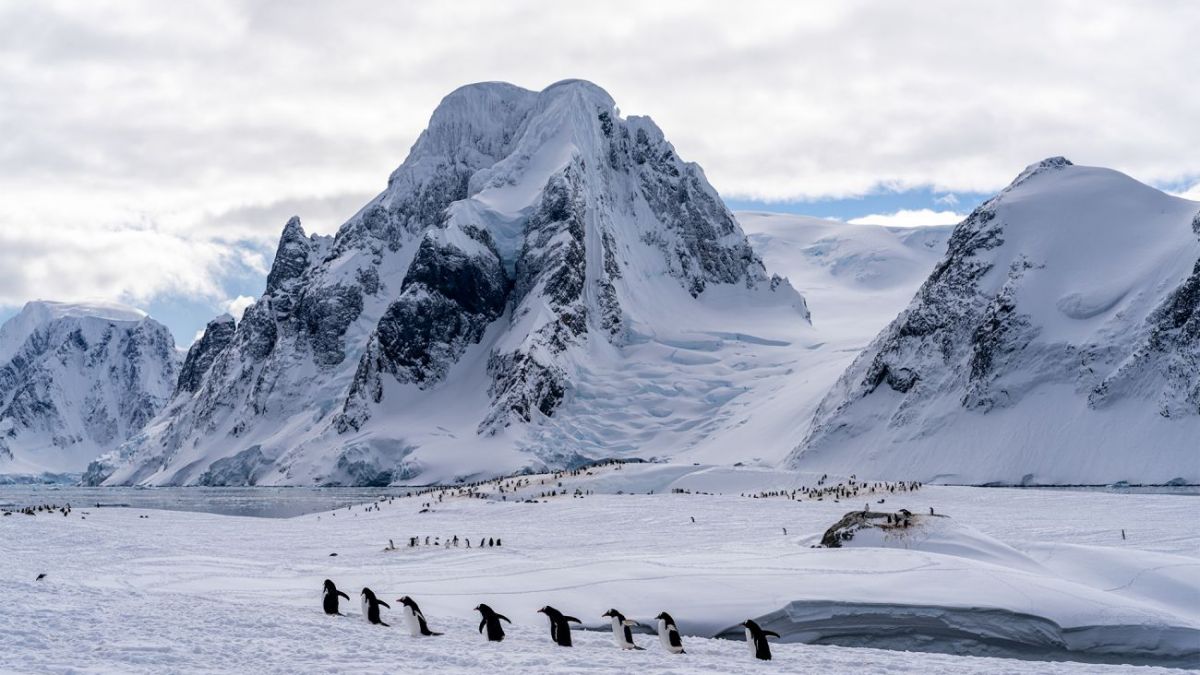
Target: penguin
[331, 598]
[495, 632]
[370, 607]
[560, 626]
[621, 632]
[417, 627]
[668, 634]
[756, 637]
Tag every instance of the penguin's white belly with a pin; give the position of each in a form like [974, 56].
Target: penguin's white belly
[414, 625]
[750, 641]
[618, 633]
[366, 614]
[662, 635]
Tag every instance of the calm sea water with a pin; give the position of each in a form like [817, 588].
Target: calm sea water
[263, 502]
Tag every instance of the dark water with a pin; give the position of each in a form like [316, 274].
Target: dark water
[262, 502]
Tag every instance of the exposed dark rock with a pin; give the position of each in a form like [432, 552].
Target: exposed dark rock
[217, 336]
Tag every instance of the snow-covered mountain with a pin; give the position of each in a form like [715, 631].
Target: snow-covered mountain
[76, 380]
[1058, 341]
[542, 281]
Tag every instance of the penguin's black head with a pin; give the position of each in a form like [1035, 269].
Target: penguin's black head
[368, 594]
[483, 609]
[749, 623]
[611, 613]
[663, 616]
[329, 585]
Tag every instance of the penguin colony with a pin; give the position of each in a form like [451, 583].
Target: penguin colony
[491, 623]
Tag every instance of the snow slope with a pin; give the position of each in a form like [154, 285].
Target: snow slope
[1028, 573]
[1058, 341]
[75, 380]
[541, 282]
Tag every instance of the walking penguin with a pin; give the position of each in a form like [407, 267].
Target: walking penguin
[756, 637]
[495, 632]
[621, 632]
[668, 634]
[331, 598]
[417, 627]
[370, 607]
[560, 626]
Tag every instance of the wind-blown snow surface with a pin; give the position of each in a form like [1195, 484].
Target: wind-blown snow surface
[542, 282]
[1058, 341]
[1043, 574]
[77, 379]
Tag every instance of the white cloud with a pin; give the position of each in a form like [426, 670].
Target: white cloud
[1192, 193]
[910, 218]
[191, 116]
[237, 306]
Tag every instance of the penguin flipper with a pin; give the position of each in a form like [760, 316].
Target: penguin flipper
[571, 618]
[343, 595]
[384, 604]
[482, 623]
[770, 633]
[630, 622]
[501, 616]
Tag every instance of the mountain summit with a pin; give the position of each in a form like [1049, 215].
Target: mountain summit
[536, 259]
[76, 379]
[1058, 341]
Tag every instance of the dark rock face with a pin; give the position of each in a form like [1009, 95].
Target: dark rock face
[552, 266]
[448, 299]
[291, 257]
[1170, 349]
[691, 210]
[323, 315]
[217, 336]
[856, 521]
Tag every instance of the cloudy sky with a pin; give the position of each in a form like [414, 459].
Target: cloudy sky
[150, 152]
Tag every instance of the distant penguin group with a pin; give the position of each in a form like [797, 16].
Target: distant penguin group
[491, 626]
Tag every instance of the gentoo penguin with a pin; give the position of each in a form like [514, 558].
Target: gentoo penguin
[668, 634]
[622, 635]
[414, 618]
[331, 598]
[370, 607]
[560, 626]
[756, 637]
[495, 632]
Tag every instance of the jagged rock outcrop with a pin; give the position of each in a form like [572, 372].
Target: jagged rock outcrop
[527, 245]
[218, 334]
[1054, 343]
[76, 380]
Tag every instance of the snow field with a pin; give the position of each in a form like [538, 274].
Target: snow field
[192, 592]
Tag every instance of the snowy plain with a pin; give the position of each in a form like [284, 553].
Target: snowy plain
[132, 590]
